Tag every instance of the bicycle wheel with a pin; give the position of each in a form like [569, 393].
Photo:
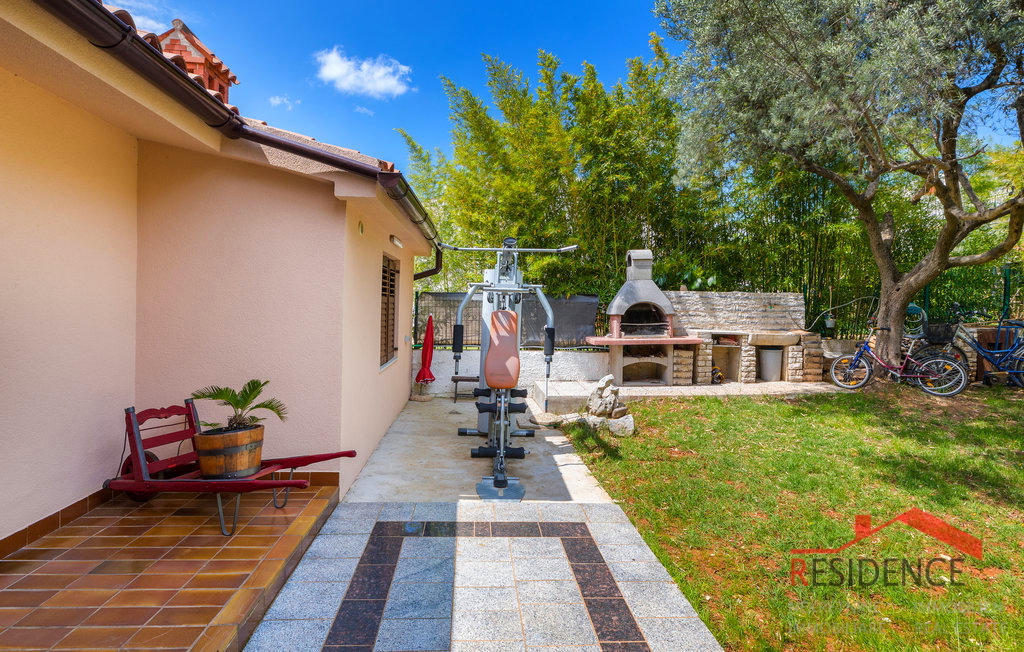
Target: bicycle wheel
[849, 372]
[943, 377]
[937, 350]
[1015, 366]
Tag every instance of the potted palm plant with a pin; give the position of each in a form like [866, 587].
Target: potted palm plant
[235, 449]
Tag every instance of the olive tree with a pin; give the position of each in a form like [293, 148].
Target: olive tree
[878, 98]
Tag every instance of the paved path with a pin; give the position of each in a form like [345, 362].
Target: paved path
[443, 570]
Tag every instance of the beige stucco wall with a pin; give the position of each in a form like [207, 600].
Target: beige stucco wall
[67, 300]
[373, 395]
[240, 274]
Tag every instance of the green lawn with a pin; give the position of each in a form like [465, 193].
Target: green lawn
[723, 488]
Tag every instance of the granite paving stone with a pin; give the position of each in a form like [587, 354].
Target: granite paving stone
[561, 512]
[483, 549]
[315, 569]
[656, 600]
[549, 591]
[428, 569]
[302, 635]
[348, 526]
[399, 635]
[557, 624]
[638, 571]
[627, 553]
[419, 600]
[615, 533]
[604, 513]
[516, 512]
[485, 598]
[676, 634]
[537, 547]
[337, 545]
[397, 512]
[488, 646]
[482, 573]
[487, 626]
[543, 569]
[428, 547]
[357, 511]
[307, 600]
[435, 512]
[475, 511]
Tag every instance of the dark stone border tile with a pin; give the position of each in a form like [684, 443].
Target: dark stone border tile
[582, 550]
[381, 550]
[625, 647]
[398, 529]
[613, 621]
[596, 581]
[515, 529]
[562, 529]
[357, 623]
[370, 582]
[439, 529]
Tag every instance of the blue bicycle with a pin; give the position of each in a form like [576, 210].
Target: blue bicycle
[940, 375]
[1006, 355]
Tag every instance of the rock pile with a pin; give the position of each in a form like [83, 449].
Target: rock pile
[605, 410]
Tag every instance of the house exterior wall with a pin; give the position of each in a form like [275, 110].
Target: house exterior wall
[67, 300]
[240, 276]
[373, 395]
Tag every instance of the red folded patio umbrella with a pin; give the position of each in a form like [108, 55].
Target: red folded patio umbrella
[427, 353]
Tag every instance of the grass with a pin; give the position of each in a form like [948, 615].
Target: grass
[723, 488]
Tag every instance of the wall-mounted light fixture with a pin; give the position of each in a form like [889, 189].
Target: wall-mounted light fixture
[395, 241]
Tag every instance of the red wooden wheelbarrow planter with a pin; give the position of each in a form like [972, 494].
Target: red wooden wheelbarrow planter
[143, 475]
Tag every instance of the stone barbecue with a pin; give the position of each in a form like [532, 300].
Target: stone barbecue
[677, 338]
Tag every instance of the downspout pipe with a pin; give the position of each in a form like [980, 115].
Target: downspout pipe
[108, 32]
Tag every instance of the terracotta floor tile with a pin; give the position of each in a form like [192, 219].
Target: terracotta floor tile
[201, 598]
[162, 541]
[213, 529]
[147, 581]
[270, 519]
[57, 542]
[132, 521]
[217, 638]
[105, 542]
[171, 530]
[216, 581]
[191, 553]
[285, 547]
[175, 566]
[31, 638]
[185, 520]
[7, 580]
[243, 541]
[88, 519]
[87, 554]
[77, 531]
[60, 567]
[177, 616]
[35, 581]
[122, 566]
[9, 615]
[11, 598]
[79, 597]
[203, 541]
[231, 566]
[120, 616]
[96, 637]
[240, 606]
[19, 566]
[56, 617]
[102, 581]
[163, 637]
[239, 553]
[140, 553]
[263, 529]
[31, 554]
[124, 530]
[142, 598]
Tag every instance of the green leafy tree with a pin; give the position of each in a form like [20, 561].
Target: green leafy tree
[873, 98]
[563, 161]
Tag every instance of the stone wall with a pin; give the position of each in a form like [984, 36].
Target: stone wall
[740, 311]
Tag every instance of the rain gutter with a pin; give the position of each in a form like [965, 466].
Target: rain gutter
[106, 31]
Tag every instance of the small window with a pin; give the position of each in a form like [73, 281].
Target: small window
[388, 306]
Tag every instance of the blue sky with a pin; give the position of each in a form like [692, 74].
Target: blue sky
[350, 73]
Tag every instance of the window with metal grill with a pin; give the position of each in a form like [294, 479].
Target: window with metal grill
[388, 306]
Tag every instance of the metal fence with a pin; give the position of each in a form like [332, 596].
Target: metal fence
[574, 318]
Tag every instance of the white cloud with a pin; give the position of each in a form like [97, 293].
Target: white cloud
[282, 100]
[383, 77]
[149, 16]
[364, 110]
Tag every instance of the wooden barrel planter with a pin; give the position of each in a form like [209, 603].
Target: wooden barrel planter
[230, 454]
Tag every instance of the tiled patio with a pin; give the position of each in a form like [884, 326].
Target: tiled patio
[156, 575]
[413, 560]
[480, 577]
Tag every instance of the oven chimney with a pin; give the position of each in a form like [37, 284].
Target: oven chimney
[639, 265]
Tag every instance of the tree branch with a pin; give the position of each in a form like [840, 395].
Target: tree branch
[1013, 232]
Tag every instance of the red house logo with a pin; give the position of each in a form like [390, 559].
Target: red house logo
[853, 571]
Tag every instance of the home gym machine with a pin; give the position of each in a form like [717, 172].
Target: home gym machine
[501, 309]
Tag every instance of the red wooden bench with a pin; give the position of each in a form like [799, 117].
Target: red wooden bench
[143, 474]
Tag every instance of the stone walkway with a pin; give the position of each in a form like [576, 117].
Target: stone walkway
[435, 568]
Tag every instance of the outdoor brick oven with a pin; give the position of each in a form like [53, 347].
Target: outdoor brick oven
[675, 338]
